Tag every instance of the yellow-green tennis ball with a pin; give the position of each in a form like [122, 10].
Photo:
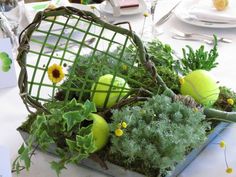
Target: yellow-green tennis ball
[100, 131]
[100, 91]
[200, 85]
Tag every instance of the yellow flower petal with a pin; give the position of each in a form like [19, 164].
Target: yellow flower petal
[118, 132]
[55, 73]
[229, 170]
[230, 101]
[222, 144]
[145, 14]
[124, 124]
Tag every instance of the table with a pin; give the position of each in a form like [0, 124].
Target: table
[210, 163]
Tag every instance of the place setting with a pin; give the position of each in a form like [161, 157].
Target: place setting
[208, 13]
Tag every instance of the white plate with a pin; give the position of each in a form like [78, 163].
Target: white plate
[182, 14]
[32, 8]
[106, 7]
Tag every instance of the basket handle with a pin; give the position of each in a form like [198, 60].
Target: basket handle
[124, 23]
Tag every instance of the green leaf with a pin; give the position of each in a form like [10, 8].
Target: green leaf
[45, 140]
[198, 59]
[56, 115]
[72, 106]
[89, 107]
[25, 157]
[85, 130]
[71, 144]
[17, 168]
[86, 144]
[79, 141]
[88, 141]
[40, 120]
[16, 164]
[73, 118]
[22, 148]
[78, 157]
[57, 166]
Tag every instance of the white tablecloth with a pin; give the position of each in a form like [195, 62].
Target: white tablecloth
[210, 163]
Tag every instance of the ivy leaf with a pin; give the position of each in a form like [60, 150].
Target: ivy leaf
[89, 107]
[20, 151]
[71, 144]
[17, 168]
[72, 118]
[88, 141]
[45, 140]
[57, 166]
[41, 119]
[85, 130]
[72, 105]
[56, 115]
[79, 141]
[25, 156]
[78, 157]
[16, 164]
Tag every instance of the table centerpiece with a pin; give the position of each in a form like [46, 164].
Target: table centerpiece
[96, 93]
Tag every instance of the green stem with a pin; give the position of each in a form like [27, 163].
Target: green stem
[213, 114]
[144, 21]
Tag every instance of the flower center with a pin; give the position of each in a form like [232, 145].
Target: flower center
[56, 73]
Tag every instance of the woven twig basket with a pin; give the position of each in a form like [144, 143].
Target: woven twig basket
[47, 41]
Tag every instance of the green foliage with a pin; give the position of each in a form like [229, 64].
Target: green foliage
[90, 67]
[221, 103]
[199, 59]
[87, 70]
[158, 135]
[161, 54]
[170, 78]
[68, 127]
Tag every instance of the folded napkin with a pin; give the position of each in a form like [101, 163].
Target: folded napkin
[128, 3]
[204, 10]
[118, 5]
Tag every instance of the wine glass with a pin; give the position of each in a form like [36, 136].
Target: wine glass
[149, 30]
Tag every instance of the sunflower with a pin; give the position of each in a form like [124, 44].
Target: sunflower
[55, 73]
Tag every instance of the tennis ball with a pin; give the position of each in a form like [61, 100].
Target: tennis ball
[100, 131]
[119, 88]
[201, 86]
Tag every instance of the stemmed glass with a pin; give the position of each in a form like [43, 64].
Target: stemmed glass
[149, 29]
